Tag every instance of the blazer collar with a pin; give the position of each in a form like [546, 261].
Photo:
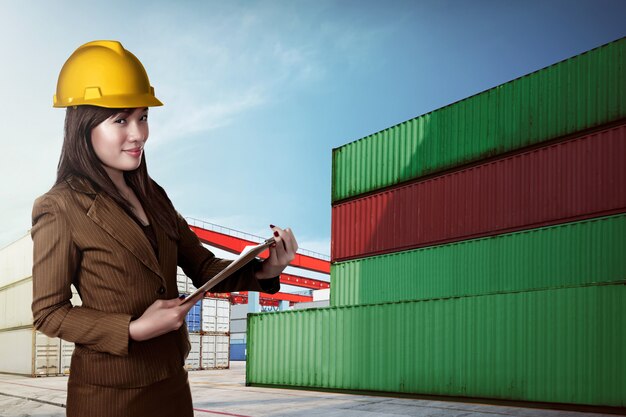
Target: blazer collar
[80, 184]
[107, 214]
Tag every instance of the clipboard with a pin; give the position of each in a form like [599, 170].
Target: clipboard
[247, 254]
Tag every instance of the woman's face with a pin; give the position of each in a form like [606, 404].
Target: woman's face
[119, 140]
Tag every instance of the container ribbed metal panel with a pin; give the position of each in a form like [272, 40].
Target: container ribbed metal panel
[26, 351]
[16, 260]
[562, 345]
[15, 301]
[579, 93]
[566, 181]
[591, 251]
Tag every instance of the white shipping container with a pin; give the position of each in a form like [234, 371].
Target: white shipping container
[223, 316]
[215, 315]
[29, 352]
[76, 301]
[15, 302]
[209, 315]
[215, 350]
[222, 344]
[67, 349]
[185, 286]
[47, 354]
[208, 352]
[16, 260]
[181, 282]
[193, 360]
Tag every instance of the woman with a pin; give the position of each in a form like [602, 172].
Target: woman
[110, 230]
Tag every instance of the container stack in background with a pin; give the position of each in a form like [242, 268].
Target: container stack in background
[478, 250]
[24, 350]
[238, 318]
[208, 324]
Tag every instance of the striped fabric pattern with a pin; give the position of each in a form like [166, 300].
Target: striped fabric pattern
[85, 238]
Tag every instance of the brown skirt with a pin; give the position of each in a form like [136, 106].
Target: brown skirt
[168, 398]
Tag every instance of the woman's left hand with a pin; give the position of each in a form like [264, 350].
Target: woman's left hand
[282, 251]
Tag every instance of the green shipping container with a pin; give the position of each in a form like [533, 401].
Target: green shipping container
[562, 345]
[565, 255]
[580, 93]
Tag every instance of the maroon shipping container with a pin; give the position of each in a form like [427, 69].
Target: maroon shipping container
[568, 181]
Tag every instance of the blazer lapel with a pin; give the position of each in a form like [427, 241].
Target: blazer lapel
[115, 221]
[165, 246]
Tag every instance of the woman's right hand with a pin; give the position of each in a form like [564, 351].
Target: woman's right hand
[161, 317]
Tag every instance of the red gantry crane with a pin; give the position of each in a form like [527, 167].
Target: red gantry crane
[235, 241]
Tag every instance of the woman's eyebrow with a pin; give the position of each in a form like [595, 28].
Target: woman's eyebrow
[128, 111]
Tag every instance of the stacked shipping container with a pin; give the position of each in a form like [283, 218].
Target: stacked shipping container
[571, 96]
[238, 319]
[24, 350]
[208, 324]
[563, 182]
[500, 223]
[560, 345]
[570, 254]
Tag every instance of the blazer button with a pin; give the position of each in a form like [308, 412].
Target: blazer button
[161, 290]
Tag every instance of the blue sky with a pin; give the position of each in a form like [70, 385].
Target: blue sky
[257, 94]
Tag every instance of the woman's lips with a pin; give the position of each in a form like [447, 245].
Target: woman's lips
[135, 153]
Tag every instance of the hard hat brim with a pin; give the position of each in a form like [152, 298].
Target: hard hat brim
[114, 102]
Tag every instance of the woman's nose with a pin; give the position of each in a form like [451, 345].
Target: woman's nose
[135, 133]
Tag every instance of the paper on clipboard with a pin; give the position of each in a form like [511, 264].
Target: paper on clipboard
[247, 254]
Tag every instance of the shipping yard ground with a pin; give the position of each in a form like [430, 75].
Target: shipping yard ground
[223, 393]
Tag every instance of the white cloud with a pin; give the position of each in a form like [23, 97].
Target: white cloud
[212, 68]
[188, 115]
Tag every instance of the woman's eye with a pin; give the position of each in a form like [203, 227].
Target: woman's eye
[144, 117]
[120, 121]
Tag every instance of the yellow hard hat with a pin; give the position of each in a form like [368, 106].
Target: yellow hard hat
[104, 74]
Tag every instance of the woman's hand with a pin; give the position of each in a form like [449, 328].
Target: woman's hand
[161, 317]
[282, 251]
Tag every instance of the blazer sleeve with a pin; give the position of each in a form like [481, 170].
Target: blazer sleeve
[200, 264]
[56, 261]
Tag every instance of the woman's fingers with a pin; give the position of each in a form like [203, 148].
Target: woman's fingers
[282, 251]
[279, 237]
[189, 304]
[289, 243]
[281, 248]
[286, 245]
[290, 240]
[160, 317]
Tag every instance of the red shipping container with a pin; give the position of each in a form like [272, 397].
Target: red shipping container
[567, 181]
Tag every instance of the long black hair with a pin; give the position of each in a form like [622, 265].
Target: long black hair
[78, 158]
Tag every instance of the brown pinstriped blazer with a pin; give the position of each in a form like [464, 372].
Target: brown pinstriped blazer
[83, 237]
